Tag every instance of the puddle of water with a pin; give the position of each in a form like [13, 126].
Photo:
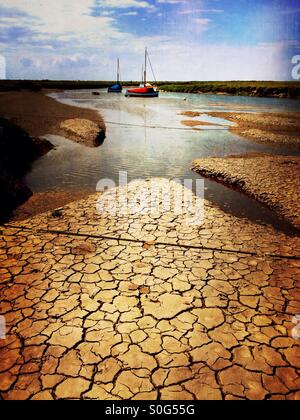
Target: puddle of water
[132, 146]
[220, 123]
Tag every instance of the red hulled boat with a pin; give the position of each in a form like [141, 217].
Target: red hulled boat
[145, 90]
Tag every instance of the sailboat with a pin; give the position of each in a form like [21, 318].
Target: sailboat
[145, 90]
[116, 87]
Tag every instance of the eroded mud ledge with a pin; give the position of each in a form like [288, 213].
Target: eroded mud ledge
[272, 180]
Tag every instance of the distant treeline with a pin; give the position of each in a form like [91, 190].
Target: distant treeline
[251, 88]
[245, 88]
[37, 85]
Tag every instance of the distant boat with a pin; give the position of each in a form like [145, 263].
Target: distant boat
[116, 87]
[145, 90]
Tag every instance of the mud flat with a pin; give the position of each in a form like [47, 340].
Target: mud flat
[272, 180]
[275, 128]
[110, 314]
[39, 115]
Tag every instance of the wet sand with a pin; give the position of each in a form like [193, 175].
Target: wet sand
[41, 202]
[193, 123]
[271, 180]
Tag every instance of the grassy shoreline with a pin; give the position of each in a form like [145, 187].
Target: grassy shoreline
[236, 88]
[288, 89]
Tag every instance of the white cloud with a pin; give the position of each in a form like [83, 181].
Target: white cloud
[200, 25]
[2, 67]
[171, 1]
[281, 44]
[68, 42]
[171, 61]
[56, 25]
[129, 14]
[125, 4]
[202, 21]
[59, 16]
[194, 11]
[219, 62]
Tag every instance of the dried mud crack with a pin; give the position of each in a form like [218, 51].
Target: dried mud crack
[110, 319]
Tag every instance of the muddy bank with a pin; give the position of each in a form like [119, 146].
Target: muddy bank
[25, 117]
[46, 202]
[194, 123]
[17, 152]
[39, 115]
[272, 180]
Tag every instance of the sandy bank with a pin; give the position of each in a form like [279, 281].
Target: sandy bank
[39, 114]
[272, 180]
[276, 128]
[194, 123]
[261, 127]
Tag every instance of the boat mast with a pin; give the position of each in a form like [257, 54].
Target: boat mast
[145, 72]
[118, 71]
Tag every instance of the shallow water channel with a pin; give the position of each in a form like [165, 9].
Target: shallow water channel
[145, 138]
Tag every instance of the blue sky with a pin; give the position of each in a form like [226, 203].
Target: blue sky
[187, 39]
